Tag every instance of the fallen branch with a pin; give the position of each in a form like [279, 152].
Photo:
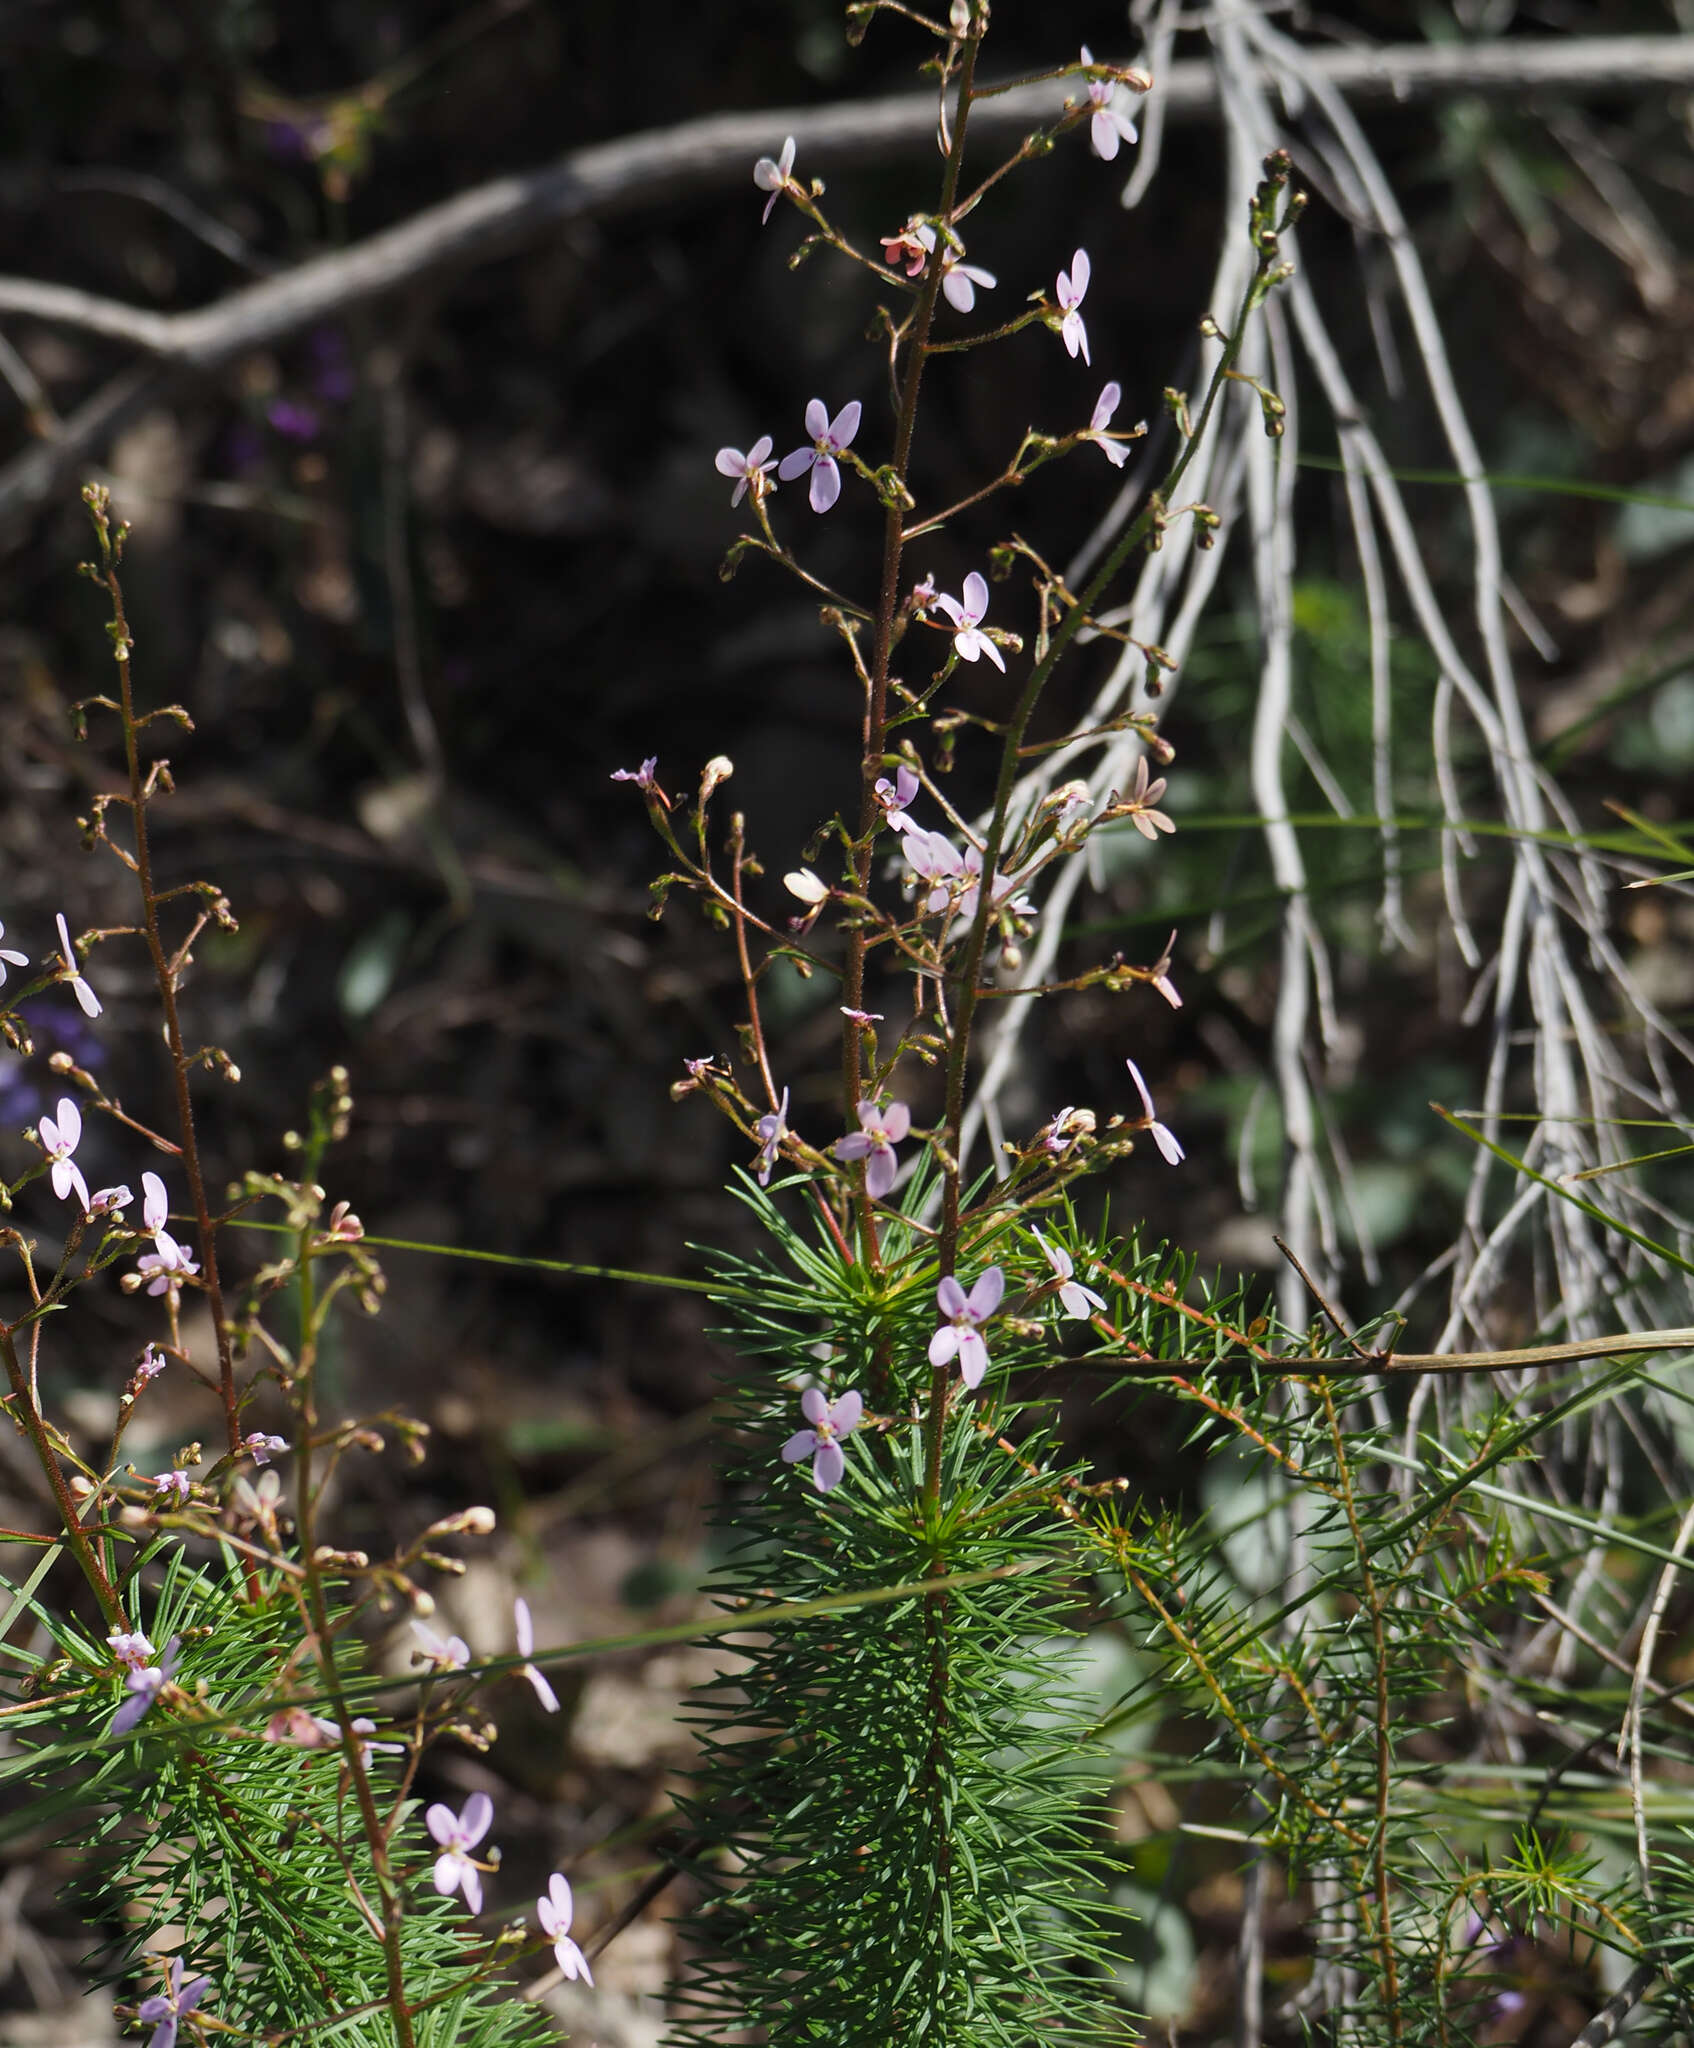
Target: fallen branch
[682, 162]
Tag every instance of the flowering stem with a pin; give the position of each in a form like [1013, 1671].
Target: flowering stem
[875, 731]
[97, 501]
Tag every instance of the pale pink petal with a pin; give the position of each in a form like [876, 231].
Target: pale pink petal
[1140, 1088]
[1103, 134]
[70, 1123]
[796, 463]
[855, 1146]
[846, 424]
[1169, 1149]
[65, 940]
[800, 1445]
[814, 1405]
[817, 418]
[759, 451]
[525, 1628]
[1104, 406]
[950, 1297]
[85, 996]
[973, 1358]
[1080, 273]
[896, 1122]
[944, 1345]
[472, 1885]
[447, 1872]
[993, 652]
[828, 1466]
[976, 596]
[826, 483]
[543, 1691]
[847, 1412]
[951, 606]
[730, 462]
[986, 1295]
[156, 1208]
[442, 1822]
[564, 1907]
[476, 1818]
[958, 290]
[879, 1174]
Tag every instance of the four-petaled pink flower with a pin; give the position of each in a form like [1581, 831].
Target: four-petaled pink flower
[1140, 802]
[1077, 1301]
[145, 1683]
[457, 1834]
[751, 468]
[1116, 452]
[772, 1128]
[831, 1421]
[896, 797]
[829, 439]
[1073, 283]
[8, 956]
[959, 279]
[1106, 125]
[555, 1912]
[166, 2008]
[73, 973]
[934, 859]
[960, 1336]
[446, 1653]
[525, 1631]
[968, 641]
[642, 777]
[60, 1136]
[1169, 1149]
[770, 174]
[880, 1130]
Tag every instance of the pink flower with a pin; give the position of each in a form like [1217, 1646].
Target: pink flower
[1169, 1149]
[830, 438]
[1078, 1301]
[751, 468]
[60, 1135]
[935, 860]
[457, 1834]
[6, 955]
[151, 1365]
[771, 174]
[1138, 806]
[960, 1336]
[73, 974]
[1115, 452]
[259, 1447]
[642, 777]
[555, 1912]
[1107, 126]
[174, 1481]
[167, 2008]
[880, 1130]
[145, 1683]
[959, 279]
[896, 797]
[525, 1631]
[968, 641]
[908, 250]
[108, 1201]
[1073, 284]
[830, 1420]
[133, 1651]
[863, 1018]
[446, 1653]
[772, 1128]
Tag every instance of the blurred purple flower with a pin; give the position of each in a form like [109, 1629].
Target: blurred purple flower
[555, 1912]
[896, 797]
[960, 1336]
[1078, 1301]
[751, 468]
[829, 439]
[332, 377]
[772, 1127]
[830, 1420]
[145, 1683]
[1073, 284]
[59, 1137]
[293, 422]
[168, 2007]
[968, 642]
[525, 1631]
[770, 174]
[1107, 127]
[880, 1130]
[1169, 1149]
[86, 998]
[457, 1834]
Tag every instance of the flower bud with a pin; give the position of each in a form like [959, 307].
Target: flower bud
[718, 769]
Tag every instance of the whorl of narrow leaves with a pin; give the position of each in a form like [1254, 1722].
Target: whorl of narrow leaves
[897, 1844]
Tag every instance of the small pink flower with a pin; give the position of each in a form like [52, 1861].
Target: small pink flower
[771, 1128]
[752, 468]
[908, 250]
[934, 859]
[133, 1651]
[259, 1447]
[1107, 127]
[166, 1265]
[1138, 806]
[555, 1912]
[896, 797]
[863, 1018]
[830, 438]
[968, 641]
[9, 957]
[1078, 1301]
[524, 1628]
[73, 973]
[151, 1365]
[175, 1481]
[1072, 286]
[60, 1135]
[880, 1130]
[831, 1421]
[1169, 1149]
[1115, 452]
[109, 1201]
[164, 2010]
[145, 1682]
[771, 174]
[959, 279]
[642, 777]
[445, 1653]
[960, 1336]
[457, 1834]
